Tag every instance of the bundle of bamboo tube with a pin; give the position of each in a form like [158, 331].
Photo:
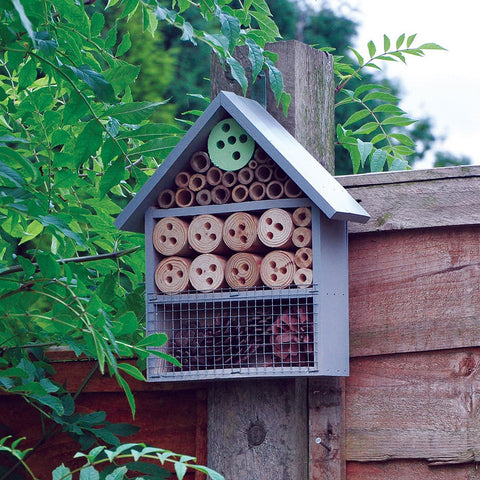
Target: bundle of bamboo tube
[203, 183]
[242, 251]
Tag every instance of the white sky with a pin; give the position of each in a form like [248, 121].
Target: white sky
[442, 85]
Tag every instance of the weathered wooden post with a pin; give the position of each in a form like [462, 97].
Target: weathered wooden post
[293, 429]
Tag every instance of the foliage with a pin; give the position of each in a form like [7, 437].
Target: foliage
[74, 148]
[384, 146]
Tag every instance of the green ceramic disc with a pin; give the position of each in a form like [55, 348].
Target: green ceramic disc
[229, 146]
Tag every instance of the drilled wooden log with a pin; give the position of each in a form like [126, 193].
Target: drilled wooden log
[302, 237]
[303, 277]
[243, 270]
[170, 236]
[275, 228]
[240, 193]
[229, 179]
[220, 194]
[264, 173]
[257, 191]
[203, 197]
[291, 189]
[171, 274]
[166, 198]
[246, 175]
[184, 197]
[207, 272]
[214, 176]
[182, 179]
[197, 182]
[200, 162]
[205, 234]
[302, 217]
[304, 257]
[278, 269]
[240, 233]
[274, 190]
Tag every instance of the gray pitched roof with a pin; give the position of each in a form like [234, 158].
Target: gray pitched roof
[321, 187]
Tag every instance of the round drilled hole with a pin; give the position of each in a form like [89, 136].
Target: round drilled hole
[226, 127]
[220, 144]
[283, 270]
[242, 226]
[168, 267]
[303, 277]
[198, 271]
[241, 280]
[168, 279]
[163, 238]
[232, 140]
[197, 237]
[235, 271]
[243, 138]
[173, 240]
[209, 281]
[231, 232]
[268, 221]
[278, 226]
[273, 277]
[269, 235]
[169, 226]
[180, 274]
[243, 239]
[213, 267]
[207, 225]
[273, 264]
[236, 155]
[213, 237]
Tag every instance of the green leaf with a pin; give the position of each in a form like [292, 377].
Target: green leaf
[382, 96]
[386, 43]
[132, 371]
[88, 142]
[255, 55]
[410, 39]
[160, 147]
[27, 24]
[388, 108]
[117, 474]
[399, 164]
[398, 121]
[180, 470]
[89, 473]
[28, 267]
[431, 46]
[62, 473]
[96, 81]
[10, 176]
[400, 40]
[360, 59]
[27, 74]
[378, 160]
[48, 265]
[46, 43]
[151, 131]
[364, 149]
[16, 161]
[128, 393]
[266, 24]
[238, 73]
[367, 128]
[276, 80]
[134, 112]
[188, 35]
[230, 28]
[125, 45]
[153, 340]
[112, 176]
[371, 49]
[34, 228]
[360, 115]
[126, 324]
[404, 139]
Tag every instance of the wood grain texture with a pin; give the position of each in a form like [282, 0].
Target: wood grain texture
[308, 78]
[414, 290]
[280, 407]
[416, 198]
[415, 406]
[326, 423]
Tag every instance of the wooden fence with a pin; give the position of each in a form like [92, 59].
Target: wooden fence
[412, 400]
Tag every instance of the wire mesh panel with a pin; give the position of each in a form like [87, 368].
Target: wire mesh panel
[262, 333]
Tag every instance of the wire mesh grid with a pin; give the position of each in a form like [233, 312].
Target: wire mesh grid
[264, 332]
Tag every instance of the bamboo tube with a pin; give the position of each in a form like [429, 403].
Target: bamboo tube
[261, 157]
[253, 164]
[205, 234]
[214, 176]
[240, 233]
[240, 193]
[278, 269]
[166, 199]
[279, 174]
[184, 198]
[220, 195]
[304, 257]
[263, 173]
[182, 179]
[229, 179]
[197, 182]
[302, 217]
[275, 228]
[257, 191]
[245, 176]
[170, 236]
[200, 162]
[243, 270]
[274, 190]
[203, 197]
[171, 275]
[207, 272]
[303, 277]
[302, 237]
[291, 189]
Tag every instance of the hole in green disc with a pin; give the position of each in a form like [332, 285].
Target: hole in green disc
[220, 144]
[236, 155]
[243, 138]
[232, 140]
[226, 127]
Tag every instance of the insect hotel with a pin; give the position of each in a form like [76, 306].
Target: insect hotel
[246, 251]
